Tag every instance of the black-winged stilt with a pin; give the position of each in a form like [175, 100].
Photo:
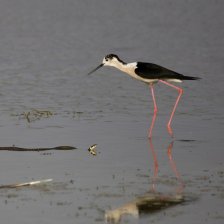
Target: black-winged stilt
[149, 73]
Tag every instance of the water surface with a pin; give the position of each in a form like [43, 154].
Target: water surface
[48, 47]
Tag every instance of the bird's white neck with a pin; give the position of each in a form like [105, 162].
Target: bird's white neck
[124, 67]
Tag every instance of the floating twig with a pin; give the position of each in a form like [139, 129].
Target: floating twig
[31, 183]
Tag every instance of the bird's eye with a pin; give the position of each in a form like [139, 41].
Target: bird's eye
[106, 59]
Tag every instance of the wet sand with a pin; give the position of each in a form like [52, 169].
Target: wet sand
[45, 56]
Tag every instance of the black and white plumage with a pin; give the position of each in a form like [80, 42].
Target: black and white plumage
[149, 73]
[146, 72]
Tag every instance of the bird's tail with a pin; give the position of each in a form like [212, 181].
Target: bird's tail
[190, 78]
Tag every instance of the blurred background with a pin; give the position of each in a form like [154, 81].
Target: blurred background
[48, 47]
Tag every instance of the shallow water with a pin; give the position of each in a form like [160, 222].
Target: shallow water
[48, 47]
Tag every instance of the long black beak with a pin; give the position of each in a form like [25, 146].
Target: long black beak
[95, 69]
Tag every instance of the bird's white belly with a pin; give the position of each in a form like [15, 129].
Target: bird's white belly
[144, 80]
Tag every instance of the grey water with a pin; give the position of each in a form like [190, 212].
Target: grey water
[48, 47]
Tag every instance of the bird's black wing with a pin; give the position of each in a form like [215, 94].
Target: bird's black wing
[153, 71]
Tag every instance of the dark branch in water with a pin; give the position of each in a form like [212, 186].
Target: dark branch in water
[13, 148]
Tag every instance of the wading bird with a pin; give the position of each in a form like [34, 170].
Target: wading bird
[149, 73]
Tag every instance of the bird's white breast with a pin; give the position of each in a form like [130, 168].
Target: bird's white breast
[130, 70]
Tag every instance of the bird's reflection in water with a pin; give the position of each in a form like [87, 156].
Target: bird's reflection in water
[180, 186]
[151, 201]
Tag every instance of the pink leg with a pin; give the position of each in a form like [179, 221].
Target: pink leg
[155, 111]
[175, 105]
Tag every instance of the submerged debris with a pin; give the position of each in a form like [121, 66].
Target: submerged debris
[31, 183]
[35, 114]
[92, 150]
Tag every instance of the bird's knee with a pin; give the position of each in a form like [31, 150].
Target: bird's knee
[181, 91]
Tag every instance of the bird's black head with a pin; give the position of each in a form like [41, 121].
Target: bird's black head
[110, 58]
